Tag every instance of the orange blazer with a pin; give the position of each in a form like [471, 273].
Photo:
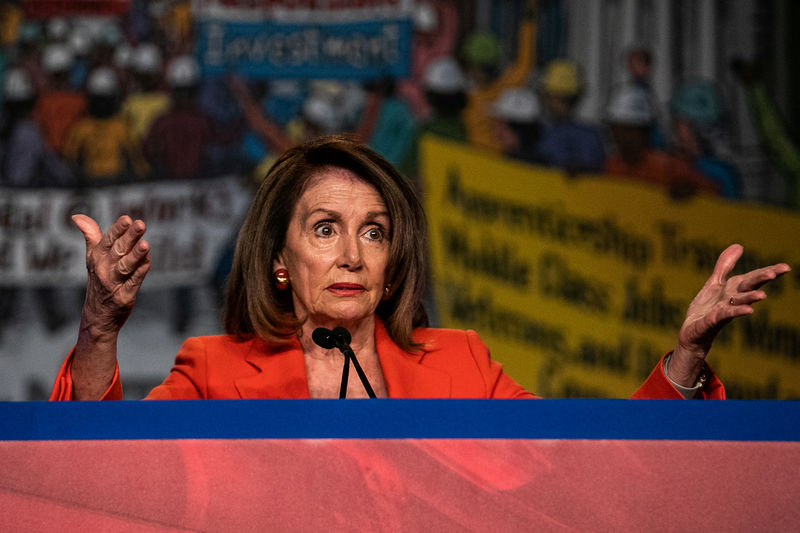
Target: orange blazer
[453, 364]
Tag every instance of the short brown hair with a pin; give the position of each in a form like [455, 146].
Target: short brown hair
[255, 307]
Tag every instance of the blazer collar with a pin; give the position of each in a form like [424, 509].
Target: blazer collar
[281, 371]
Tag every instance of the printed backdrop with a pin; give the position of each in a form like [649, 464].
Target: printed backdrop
[311, 39]
[579, 285]
[189, 224]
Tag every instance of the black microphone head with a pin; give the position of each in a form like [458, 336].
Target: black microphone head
[341, 336]
[324, 338]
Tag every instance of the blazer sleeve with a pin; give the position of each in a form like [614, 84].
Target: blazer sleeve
[188, 379]
[62, 388]
[498, 384]
[658, 387]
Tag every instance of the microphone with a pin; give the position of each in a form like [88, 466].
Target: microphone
[323, 338]
[340, 338]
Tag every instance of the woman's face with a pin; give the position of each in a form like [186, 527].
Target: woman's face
[337, 249]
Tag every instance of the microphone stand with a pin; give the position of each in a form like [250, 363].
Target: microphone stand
[349, 355]
[340, 338]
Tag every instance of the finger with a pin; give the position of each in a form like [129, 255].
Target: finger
[130, 262]
[725, 263]
[747, 298]
[89, 228]
[127, 241]
[756, 278]
[116, 230]
[132, 285]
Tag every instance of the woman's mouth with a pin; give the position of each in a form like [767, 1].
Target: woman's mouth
[346, 289]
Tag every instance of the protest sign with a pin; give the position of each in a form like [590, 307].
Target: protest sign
[305, 39]
[579, 285]
[189, 223]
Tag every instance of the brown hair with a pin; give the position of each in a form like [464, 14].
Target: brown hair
[255, 307]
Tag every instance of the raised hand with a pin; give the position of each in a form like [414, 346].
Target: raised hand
[117, 263]
[721, 299]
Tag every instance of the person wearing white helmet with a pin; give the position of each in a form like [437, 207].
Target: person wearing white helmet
[387, 124]
[80, 43]
[517, 112]
[481, 51]
[57, 29]
[565, 142]
[435, 35]
[629, 115]
[178, 139]
[26, 160]
[59, 106]
[446, 91]
[148, 100]
[696, 111]
[100, 146]
[178, 147]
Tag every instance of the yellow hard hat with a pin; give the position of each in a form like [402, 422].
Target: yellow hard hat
[562, 78]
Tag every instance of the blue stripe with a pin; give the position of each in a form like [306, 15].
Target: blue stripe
[395, 419]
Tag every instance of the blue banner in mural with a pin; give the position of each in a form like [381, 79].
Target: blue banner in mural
[270, 49]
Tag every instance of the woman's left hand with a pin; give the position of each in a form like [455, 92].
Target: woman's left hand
[720, 300]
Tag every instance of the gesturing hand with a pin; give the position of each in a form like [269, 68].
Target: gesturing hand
[721, 299]
[117, 262]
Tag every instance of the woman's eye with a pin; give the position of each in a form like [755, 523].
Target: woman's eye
[323, 230]
[374, 234]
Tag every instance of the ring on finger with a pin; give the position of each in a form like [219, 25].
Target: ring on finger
[731, 301]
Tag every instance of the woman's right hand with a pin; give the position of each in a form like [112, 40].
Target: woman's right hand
[117, 263]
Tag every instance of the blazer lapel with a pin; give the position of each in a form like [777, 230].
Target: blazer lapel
[281, 372]
[403, 372]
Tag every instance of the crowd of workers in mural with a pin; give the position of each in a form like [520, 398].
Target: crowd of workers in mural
[88, 102]
[125, 100]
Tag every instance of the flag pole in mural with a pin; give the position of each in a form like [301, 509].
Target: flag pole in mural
[304, 39]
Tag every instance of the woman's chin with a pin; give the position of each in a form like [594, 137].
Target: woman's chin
[342, 315]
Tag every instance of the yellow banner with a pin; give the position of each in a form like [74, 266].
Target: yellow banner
[579, 285]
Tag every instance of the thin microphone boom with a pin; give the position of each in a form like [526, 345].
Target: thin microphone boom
[340, 338]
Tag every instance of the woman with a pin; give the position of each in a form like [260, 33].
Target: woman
[335, 237]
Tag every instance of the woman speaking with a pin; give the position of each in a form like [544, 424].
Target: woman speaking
[329, 275]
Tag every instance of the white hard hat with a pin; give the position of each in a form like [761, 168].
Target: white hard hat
[519, 104]
[328, 89]
[123, 55]
[183, 71]
[353, 101]
[80, 40]
[425, 18]
[102, 82]
[630, 104]
[57, 28]
[323, 113]
[109, 33]
[57, 57]
[445, 76]
[17, 85]
[284, 88]
[146, 59]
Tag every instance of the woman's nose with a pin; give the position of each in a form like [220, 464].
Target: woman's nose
[349, 252]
